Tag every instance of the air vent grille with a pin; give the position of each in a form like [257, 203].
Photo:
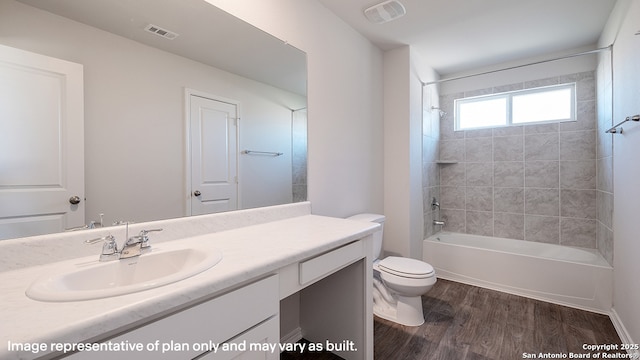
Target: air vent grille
[155, 29]
[386, 11]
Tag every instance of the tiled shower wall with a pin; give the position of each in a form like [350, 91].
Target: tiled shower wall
[604, 156]
[531, 182]
[430, 156]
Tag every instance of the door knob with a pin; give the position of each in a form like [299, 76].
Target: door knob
[197, 193]
[74, 200]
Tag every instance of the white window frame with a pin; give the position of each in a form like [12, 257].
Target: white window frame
[509, 97]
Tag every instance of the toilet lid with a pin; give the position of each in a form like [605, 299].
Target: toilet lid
[406, 267]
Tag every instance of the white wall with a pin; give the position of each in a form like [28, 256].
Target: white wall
[528, 73]
[135, 140]
[626, 167]
[344, 101]
[404, 73]
[397, 144]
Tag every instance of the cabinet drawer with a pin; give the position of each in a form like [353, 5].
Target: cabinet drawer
[214, 321]
[327, 263]
[266, 333]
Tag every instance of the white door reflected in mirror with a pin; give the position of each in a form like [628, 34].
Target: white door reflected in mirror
[41, 144]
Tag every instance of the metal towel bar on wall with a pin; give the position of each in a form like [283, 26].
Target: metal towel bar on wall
[614, 129]
[269, 153]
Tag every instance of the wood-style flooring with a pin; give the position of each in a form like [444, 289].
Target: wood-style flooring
[464, 322]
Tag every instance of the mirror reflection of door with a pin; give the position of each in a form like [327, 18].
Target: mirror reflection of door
[41, 144]
[213, 125]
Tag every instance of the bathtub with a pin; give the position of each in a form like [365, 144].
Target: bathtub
[575, 277]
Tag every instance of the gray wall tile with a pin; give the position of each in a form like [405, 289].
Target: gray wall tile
[478, 149]
[542, 202]
[509, 226]
[578, 174]
[454, 220]
[452, 197]
[452, 150]
[578, 145]
[544, 229]
[508, 148]
[509, 200]
[578, 203]
[480, 174]
[604, 208]
[480, 223]
[508, 174]
[453, 174]
[479, 198]
[541, 147]
[542, 174]
[578, 232]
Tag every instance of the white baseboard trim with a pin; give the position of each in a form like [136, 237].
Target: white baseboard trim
[625, 337]
[292, 337]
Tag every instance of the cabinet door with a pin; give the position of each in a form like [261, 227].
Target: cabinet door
[252, 343]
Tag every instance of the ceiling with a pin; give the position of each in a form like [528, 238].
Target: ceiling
[453, 36]
[206, 34]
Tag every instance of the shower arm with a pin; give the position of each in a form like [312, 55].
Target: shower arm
[614, 129]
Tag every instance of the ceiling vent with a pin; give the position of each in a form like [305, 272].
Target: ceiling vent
[385, 11]
[161, 32]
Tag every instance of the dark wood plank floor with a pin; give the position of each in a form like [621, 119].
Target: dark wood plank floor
[468, 322]
[464, 322]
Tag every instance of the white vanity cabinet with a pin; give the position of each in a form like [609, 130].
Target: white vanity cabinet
[335, 300]
[248, 315]
[306, 276]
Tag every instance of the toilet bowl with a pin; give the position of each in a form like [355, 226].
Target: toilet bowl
[398, 282]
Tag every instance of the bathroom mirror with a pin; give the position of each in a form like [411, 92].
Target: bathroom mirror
[136, 83]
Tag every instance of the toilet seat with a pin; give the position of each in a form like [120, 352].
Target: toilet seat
[406, 267]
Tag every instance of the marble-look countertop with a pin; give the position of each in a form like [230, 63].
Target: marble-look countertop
[248, 253]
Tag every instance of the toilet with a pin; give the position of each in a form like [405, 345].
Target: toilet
[398, 282]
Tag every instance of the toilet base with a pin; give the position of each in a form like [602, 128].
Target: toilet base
[404, 310]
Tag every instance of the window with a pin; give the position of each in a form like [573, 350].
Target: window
[545, 104]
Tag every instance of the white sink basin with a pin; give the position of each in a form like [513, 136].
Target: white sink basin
[163, 265]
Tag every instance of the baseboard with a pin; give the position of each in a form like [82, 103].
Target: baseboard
[625, 337]
[292, 337]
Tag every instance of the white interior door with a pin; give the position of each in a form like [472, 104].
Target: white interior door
[214, 155]
[41, 144]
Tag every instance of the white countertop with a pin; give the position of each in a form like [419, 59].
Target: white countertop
[248, 253]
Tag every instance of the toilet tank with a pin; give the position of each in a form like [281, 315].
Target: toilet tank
[377, 236]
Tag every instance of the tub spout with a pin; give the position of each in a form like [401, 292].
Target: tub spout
[438, 222]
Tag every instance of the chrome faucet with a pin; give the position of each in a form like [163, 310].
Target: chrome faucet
[133, 246]
[438, 222]
[137, 245]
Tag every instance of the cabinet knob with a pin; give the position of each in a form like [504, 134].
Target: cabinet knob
[197, 193]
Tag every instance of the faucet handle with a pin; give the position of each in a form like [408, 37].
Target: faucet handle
[144, 238]
[145, 232]
[435, 204]
[96, 240]
[109, 248]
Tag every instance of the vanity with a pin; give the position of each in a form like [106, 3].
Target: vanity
[279, 265]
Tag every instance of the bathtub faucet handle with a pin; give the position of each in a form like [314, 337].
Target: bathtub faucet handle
[438, 222]
[435, 204]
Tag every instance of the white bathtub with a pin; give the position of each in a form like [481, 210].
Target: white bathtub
[575, 277]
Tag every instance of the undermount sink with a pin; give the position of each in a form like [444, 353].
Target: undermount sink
[163, 265]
